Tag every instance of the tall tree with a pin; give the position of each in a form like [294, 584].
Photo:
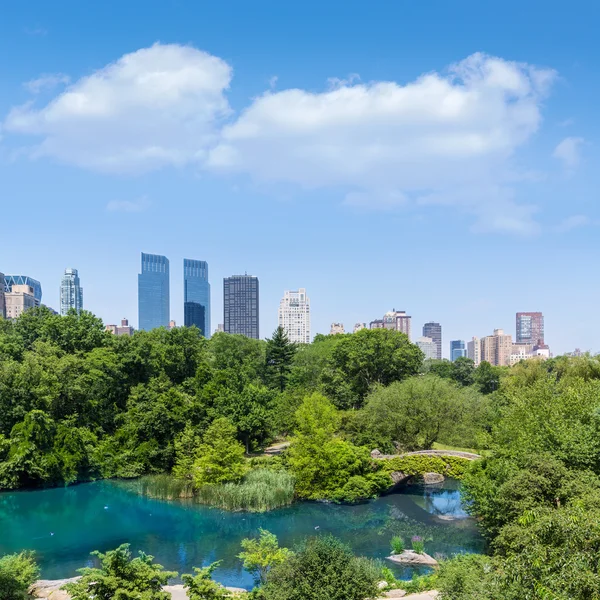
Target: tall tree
[280, 355]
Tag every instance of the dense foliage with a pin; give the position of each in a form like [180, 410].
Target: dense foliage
[17, 573]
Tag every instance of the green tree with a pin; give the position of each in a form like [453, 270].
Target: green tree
[261, 554]
[186, 451]
[121, 577]
[279, 357]
[220, 456]
[17, 573]
[323, 569]
[487, 377]
[201, 586]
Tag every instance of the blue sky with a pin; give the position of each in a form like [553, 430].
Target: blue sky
[435, 157]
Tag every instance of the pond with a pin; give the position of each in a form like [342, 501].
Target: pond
[63, 525]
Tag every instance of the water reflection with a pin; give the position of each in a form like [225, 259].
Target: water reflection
[63, 525]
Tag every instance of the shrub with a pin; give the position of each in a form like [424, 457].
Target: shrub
[417, 464]
[418, 545]
[262, 554]
[17, 573]
[423, 583]
[201, 586]
[397, 544]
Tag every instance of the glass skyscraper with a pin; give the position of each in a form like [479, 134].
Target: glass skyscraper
[71, 292]
[10, 280]
[240, 305]
[434, 331]
[153, 292]
[457, 349]
[196, 295]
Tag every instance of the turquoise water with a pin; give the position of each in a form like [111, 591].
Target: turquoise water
[64, 525]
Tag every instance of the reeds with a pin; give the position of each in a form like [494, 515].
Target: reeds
[161, 487]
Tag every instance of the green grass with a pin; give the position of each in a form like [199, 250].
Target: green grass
[261, 490]
[436, 446]
[161, 487]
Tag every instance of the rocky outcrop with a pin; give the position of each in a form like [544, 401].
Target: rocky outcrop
[49, 589]
[410, 557]
[398, 477]
[431, 478]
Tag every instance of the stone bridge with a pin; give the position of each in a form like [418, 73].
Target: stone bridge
[441, 453]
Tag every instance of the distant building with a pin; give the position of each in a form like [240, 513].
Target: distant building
[294, 316]
[153, 292]
[530, 328]
[458, 349]
[497, 348]
[2, 300]
[71, 292]
[172, 324]
[124, 329]
[196, 295]
[20, 299]
[241, 305]
[10, 280]
[522, 351]
[336, 328]
[377, 324]
[434, 331]
[427, 346]
[474, 350]
[359, 326]
[220, 328]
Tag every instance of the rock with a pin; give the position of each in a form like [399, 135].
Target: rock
[177, 592]
[50, 589]
[382, 585]
[375, 453]
[236, 590]
[395, 594]
[430, 478]
[399, 477]
[431, 595]
[410, 557]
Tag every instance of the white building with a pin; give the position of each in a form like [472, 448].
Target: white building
[359, 326]
[474, 350]
[427, 346]
[71, 292]
[294, 316]
[336, 328]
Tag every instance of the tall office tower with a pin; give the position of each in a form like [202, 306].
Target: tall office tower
[71, 292]
[10, 280]
[530, 328]
[474, 350]
[153, 292]
[241, 305]
[294, 316]
[458, 348]
[336, 328]
[2, 300]
[497, 348]
[434, 331]
[196, 295]
[19, 299]
[427, 346]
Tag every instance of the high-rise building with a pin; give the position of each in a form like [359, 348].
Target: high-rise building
[434, 331]
[19, 299]
[124, 329]
[153, 292]
[458, 348]
[196, 295]
[241, 305]
[336, 328]
[10, 280]
[2, 300]
[377, 324]
[71, 292]
[474, 350]
[294, 316]
[359, 326]
[530, 328]
[497, 348]
[427, 346]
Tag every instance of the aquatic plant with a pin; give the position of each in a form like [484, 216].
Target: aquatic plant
[418, 544]
[397, 544]
[161, 487]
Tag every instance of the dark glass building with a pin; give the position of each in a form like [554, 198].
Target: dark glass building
[10, 280]
[434, 331]
[240, 305]
[196, 295]
[153, 292]
[530, 328]
[458, 348]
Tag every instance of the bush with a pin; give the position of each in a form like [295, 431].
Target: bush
[467, 577]
[17, 573]
[323, 569]
[417, 464]
[418, 545]
[397, 544]
[262, 554]
[201, 586]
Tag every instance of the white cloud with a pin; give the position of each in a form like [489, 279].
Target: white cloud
[47, 81]
[573, 222]
[569, 152]
[128, 206]
[154, 107]
[442, 135]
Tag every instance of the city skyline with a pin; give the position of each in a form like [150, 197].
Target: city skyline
[71, 292]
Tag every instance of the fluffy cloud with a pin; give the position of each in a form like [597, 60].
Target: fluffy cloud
[47, 81]
[569, 152]
[128, 206]
[154, 107]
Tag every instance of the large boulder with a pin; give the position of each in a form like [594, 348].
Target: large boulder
[410, 557]
[432, 478]
[399, 477]
[50, 589]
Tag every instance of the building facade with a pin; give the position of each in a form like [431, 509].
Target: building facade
[2, 299]
[474, 350]
[196, 295]
[434, 331]
[497, 348]
[124, 329]
[336, 328]
[153, 292]
[427, 346]
[241, 305]
[294, 316]
[19, 299]
[359, 326]
[458, 348]
[530, 328]
[10, 280]
[71, 292]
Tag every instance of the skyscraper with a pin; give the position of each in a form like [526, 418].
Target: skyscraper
[530, 328]
[474, 350]
[2, 300]
[153, 292]
[497, 348]
[434, 331]
[457, 349]
[240, 305]
[71, 292]
[294, 316]
[196, 295]
[10, 280]
[427, 346]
